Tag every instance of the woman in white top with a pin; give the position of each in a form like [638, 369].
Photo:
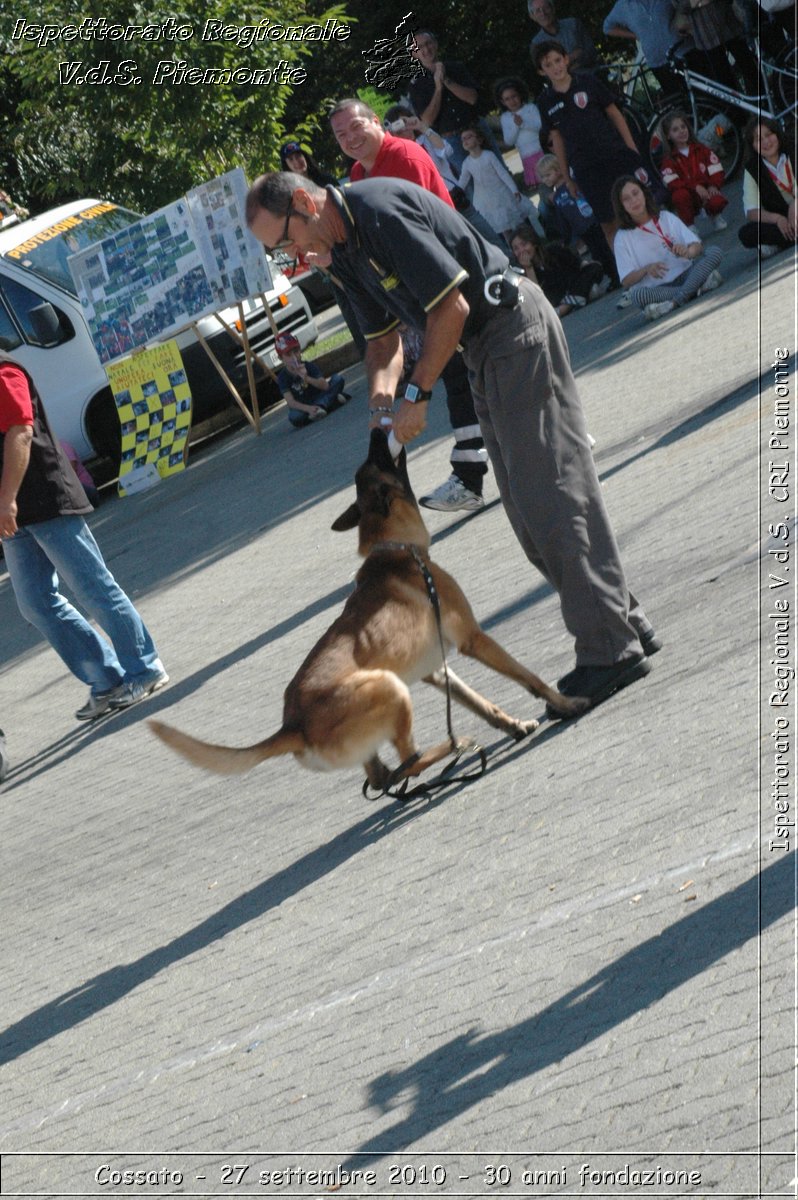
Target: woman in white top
[661, 261]
[520, 121]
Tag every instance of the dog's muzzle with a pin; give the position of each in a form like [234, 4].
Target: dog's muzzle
[502, 290]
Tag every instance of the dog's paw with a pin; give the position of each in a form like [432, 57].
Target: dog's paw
[524, 728]
[378, 775]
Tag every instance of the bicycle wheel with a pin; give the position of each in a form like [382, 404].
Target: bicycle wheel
[786, 74]
[636, 121]
[716, 129]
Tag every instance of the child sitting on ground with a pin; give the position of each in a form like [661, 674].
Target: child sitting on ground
[567, 282]
[660, 260]
[576, 218]
[308, 394]
[692, 173]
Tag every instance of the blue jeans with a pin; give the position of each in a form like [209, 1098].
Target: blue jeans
[65, 546]
[327, 400]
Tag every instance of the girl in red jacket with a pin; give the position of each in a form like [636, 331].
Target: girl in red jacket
[691, 171]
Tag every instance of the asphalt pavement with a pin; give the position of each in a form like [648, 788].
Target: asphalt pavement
[572, 976]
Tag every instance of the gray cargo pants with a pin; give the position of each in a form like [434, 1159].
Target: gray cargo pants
[534, 429]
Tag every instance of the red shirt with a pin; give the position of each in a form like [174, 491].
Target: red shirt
[399, 158]
[16, 407]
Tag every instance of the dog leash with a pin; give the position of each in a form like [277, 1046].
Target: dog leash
[397, 786]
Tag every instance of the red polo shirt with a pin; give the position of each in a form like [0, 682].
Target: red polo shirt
[399, 158]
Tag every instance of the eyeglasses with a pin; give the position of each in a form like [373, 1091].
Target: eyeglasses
[285, 240]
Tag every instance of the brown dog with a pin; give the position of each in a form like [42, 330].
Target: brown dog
[351, 692]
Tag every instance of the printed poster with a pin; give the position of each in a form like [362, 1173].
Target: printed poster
[186, 261]
[153, 400]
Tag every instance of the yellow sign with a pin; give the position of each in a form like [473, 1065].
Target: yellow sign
[153, 401]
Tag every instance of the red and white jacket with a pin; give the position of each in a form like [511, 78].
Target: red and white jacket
[699, 166]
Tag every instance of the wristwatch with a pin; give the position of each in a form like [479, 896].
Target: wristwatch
[414, 393]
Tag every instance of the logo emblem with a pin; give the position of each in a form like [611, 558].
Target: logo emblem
[580, 99]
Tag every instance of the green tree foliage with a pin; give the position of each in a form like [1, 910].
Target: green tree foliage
[491, 38]
[144, 143]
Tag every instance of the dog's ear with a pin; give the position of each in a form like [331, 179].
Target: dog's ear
[349, 519]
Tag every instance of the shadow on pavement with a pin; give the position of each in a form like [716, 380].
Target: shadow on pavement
[91, 997]
[472, 1068]
[106, 989]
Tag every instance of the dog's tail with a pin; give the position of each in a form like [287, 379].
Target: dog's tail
[226, 760]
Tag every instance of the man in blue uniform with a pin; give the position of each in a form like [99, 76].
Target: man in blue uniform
[402, 255]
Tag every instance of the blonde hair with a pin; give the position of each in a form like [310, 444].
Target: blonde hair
[548, 162]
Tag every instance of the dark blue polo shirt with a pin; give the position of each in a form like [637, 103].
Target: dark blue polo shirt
[405, 251]
[580, 114]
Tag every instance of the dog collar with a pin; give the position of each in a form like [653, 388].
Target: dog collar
[412, 547]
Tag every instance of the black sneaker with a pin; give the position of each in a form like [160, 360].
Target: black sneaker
[599, 683]
[650, 642]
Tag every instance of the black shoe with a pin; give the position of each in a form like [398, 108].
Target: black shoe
[4, 760]
[650, 642]
[598, 683]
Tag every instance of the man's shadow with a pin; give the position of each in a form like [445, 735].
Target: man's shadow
[470, 1068]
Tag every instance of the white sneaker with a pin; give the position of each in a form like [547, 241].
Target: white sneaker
[768, 251]
[136, 689]
[720, 223]
[653, 312]
[98, 704]
[712, 281]
[451, 496]
[600, 288]
[624, 301]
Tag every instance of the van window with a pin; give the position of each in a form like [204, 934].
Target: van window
[21, 300]
[9, 337]
[46, 253]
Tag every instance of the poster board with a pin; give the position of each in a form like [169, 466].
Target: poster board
[186, 261]
[153, 402]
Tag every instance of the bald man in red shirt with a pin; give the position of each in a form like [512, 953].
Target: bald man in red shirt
[376, 152]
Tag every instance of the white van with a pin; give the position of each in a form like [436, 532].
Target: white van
[42, 327]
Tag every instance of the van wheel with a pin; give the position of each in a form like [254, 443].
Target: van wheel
[102, 427]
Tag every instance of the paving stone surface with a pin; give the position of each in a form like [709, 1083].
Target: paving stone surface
[581, 960]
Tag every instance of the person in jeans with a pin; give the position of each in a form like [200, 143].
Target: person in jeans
[42, 506]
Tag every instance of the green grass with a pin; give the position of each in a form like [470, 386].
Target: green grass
[329, 343]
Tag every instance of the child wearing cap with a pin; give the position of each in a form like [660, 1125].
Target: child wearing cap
[308, 394]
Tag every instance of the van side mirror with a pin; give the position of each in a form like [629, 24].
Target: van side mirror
[46, 324]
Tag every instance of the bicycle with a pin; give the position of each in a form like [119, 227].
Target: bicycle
[717, 125]
[639, 97]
